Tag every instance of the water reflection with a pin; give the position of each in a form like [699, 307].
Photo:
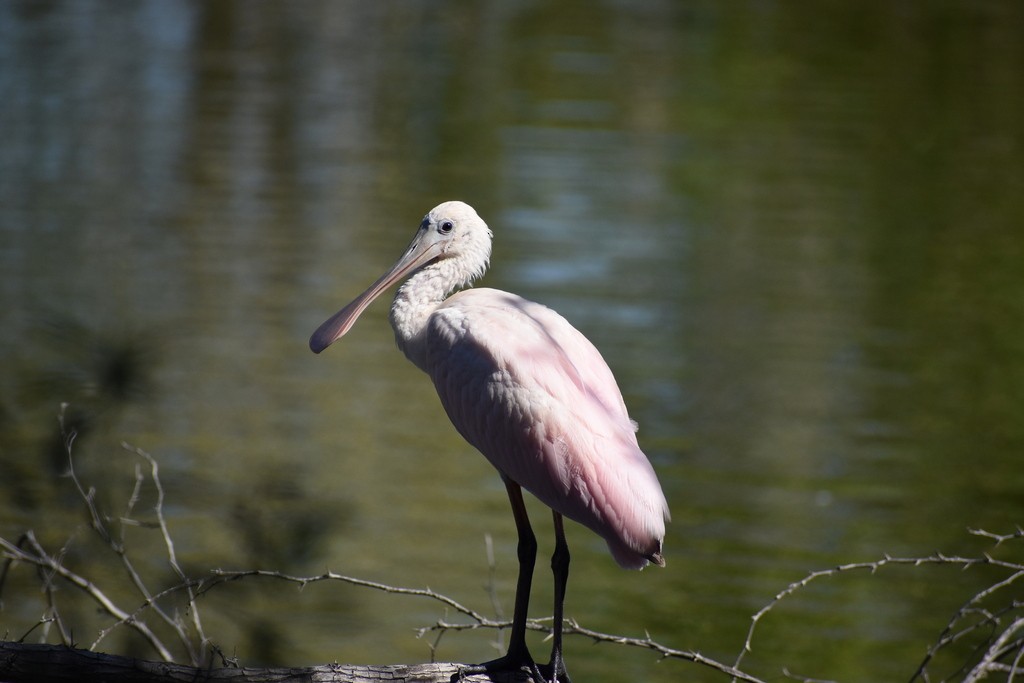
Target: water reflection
[794, 235]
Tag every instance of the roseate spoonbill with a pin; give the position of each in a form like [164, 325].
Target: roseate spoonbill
[532, 394]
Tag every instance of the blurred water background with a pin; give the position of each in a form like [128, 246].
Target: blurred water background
[795, 230]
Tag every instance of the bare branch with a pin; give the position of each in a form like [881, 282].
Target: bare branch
[666, 652]
[872, 567]
[999, 649]
[40, 558]
[948, 636]
[117, 545]
[171, 556]
[995, 628]
[998, 538]
[223, 576]
[479, 621]
[88, 497]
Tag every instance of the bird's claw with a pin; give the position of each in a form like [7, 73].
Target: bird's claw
[538, 673]
[506, 663]
[549, 675]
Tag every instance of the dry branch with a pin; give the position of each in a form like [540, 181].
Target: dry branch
[992, 620]
[193, 640]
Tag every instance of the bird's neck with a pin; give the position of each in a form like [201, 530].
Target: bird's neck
[415, 301]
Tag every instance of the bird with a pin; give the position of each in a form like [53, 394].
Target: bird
[533, 395]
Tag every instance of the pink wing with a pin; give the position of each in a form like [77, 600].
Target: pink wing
[532, 394]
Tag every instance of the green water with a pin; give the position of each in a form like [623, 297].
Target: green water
[795, 232]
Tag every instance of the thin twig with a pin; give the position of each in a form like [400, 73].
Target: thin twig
[570, 626]
[165, 533]
[1000, 652]
[948, 636]
[998, 538]
[874, 566]
[39, 557]
[998, 649]
[117, 545]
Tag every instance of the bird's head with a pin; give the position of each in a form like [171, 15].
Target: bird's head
[454, 230]
[451, 236]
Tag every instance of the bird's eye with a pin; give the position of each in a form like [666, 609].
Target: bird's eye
[445, 227]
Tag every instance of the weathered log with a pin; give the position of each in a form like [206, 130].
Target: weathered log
[31, 663]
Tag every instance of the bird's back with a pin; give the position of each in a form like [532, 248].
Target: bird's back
[534, 396]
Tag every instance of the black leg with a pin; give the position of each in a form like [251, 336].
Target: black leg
[518, 656]
[527, 552]
[560, 568]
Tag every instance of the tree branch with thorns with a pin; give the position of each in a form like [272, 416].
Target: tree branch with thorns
[993, 617]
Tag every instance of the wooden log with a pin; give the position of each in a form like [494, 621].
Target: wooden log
[32, 663]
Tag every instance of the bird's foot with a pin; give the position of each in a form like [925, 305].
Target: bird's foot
[555, 672]
[539, 673]
[509, 663]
